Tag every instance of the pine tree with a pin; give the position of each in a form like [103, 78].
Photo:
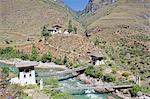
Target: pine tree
[70, 29]
[45, 33]
[75, 30]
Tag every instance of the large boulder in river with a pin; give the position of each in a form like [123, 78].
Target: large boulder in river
[85, 79]
[103, 89]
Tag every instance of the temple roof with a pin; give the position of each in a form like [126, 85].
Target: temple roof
[96, 54]
[26, 63]
[58, 26]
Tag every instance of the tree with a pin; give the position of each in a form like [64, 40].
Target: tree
[97, 42]
[90, 71]
[58, 61]
[99, 74]
[24, 56]
[65, 60]
[70, 29]
[44, 58]
[75, 30]
[49, 57]
[45, 33]
[109, 78]
[5, 72]
[34, 54]
[135, 90]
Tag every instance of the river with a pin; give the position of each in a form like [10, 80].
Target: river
[75, 87]
[71, 86]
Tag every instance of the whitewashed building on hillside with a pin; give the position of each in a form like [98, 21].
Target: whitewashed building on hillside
[55, 29]
[26, 73]
[66, 31]
[96, 59]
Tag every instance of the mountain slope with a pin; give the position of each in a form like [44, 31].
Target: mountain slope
[74, 46]
[90, 13]
[28, 17]
[122, 30]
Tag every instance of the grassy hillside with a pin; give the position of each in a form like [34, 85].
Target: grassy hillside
[27, 17]
[122, 30]
[75, 47]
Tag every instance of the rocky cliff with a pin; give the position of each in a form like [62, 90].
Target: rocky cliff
[94, 5]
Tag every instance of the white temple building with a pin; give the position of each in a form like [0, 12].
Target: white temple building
[97, 59]
[26, 73]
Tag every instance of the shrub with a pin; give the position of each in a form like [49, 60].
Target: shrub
[96, 42]
[94, 72]
[135, 90]
[131, 81]
[65, 60]
[19, 89]
[55, 94]
[51, 82]
[5, 72]
[6, 50]
[69, 64]
[44, 58]
[76, 65]
[58, 61]
[125, 74]
[99, 74]
[114, 70]
[62, 96]
[9, 52]
[24, 57]
[49, 56]
[145, 89]
[109, 78]
[34, 55]
[90, 71]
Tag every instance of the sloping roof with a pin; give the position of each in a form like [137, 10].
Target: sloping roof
[26, 63]
[56, 26]
[96, 54]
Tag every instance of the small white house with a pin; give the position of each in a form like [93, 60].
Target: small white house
[55, 29]
[26, 73]
[66, 31]
[97, 59]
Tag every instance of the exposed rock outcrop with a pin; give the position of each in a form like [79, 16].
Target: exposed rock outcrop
[94, 5]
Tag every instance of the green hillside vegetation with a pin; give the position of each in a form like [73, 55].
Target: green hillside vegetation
[121, 31]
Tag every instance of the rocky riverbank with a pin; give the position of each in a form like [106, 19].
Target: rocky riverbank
[101, 87]
[97, 84]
